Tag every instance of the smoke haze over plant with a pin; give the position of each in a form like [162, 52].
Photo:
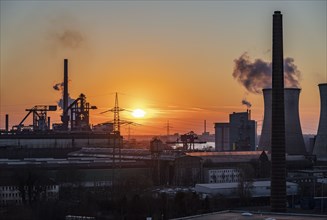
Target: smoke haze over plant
[247, 103]
[58, 86]
[138, 48]
[60, 102]
[256, 75]
[69, 38]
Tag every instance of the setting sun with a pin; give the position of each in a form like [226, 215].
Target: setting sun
[138, 113]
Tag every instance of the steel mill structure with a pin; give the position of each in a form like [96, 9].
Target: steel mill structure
[294, 142]
[78, 109]
[320, 147]
[74, 130]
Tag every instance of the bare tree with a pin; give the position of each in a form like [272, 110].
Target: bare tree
[245, 182]
[31, 185]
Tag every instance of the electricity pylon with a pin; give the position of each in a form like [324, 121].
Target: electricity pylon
[116, 111]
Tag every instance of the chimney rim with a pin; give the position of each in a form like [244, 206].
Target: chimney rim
[285, 88]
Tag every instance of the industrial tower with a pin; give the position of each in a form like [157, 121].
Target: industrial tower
[116, 111]
[278, 164]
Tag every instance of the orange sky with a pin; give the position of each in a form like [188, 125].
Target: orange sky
[172, 59]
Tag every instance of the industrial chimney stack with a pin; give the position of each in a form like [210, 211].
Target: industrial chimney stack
[7, 122]
[65, 117]
[278, 166]
[320, 147]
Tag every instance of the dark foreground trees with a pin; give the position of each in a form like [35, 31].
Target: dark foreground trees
[133, 198]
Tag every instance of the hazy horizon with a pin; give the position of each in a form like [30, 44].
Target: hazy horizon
[176, 60]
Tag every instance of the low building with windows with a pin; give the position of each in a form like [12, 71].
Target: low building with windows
[12, 194]
[227, 175]
[230, 190]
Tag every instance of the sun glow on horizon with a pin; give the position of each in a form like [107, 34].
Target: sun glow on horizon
[138, 113]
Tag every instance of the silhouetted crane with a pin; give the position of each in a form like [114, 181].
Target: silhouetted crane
[40, 120]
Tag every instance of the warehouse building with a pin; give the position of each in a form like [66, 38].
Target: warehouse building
[256, 189]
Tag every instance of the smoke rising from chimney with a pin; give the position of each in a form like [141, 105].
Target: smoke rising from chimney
[291, 74]
[60, 103]
[65, 35]
[255, 76]
[70, 39]
[60, 87]
[247, 103]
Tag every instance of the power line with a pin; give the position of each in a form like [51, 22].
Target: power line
[116, 111]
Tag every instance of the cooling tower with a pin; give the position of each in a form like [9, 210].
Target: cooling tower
[320, 147]
[293, 133]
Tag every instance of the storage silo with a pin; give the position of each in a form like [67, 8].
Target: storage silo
[293, 133]
[320, 147]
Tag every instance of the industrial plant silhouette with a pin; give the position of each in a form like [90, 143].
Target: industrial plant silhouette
[75, 170]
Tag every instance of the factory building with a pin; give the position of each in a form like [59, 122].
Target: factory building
[240, 134]
[60, 140]
[222, 137]
[227, 175]
[256, 188]
[11, 194]
[74, 130]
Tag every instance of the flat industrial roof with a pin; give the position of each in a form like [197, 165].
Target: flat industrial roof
[225, 153]
[234, 184]
[240, 215]
[51, 162]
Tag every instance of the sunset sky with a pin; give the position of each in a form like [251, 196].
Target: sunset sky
[174, 59]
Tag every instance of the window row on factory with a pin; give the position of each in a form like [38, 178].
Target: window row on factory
[12, 188]
[9, 195]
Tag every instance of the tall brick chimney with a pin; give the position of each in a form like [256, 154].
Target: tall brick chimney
[278, 168]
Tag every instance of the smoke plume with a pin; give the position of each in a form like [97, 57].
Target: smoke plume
[70, 39]
[65, 35]
[245, 102]
[58, 86]
[60, 102]
[291, 73]
[255, 76]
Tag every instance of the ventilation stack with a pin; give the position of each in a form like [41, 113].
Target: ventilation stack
[320, 147]
[294, 141]
[65, 117]
[7, 122]
[278, 165]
